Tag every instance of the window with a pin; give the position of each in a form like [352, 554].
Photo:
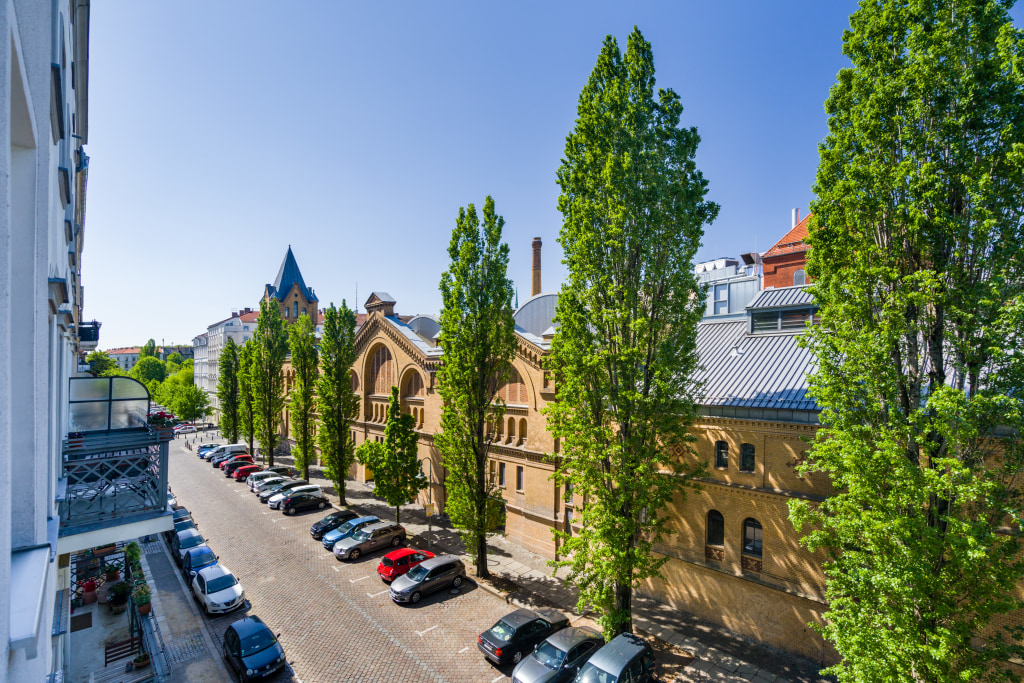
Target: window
[519, 477]
[721, 299]
[286, 311]
[721, 455]
[800, 277]
[752, 537]
[747, 457]
[501, 474]
[296, 314]
[522, 431]
[716, 528]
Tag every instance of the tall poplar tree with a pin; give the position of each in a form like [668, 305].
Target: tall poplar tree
[270, 348]
[478, 340]
[337, 403]
[246, 395]
[227, 390]
[302, 400]
[917, 252]
[625, 351]
[397, 472]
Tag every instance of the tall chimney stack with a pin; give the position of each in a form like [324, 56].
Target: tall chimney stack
[796, 217]
[535, 281]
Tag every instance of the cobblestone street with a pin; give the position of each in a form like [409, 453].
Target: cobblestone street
[336, 620]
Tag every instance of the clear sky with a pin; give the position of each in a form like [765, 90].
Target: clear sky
[221, 132]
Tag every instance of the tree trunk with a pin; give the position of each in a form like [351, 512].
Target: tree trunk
[624, 604]
[481, 556]
[398, 514]
[340, 486]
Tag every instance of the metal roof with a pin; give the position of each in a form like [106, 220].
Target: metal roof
[535, 316]
[384, 297]
[419, 342]
[752, 370]
[287, 276]
[783, 297]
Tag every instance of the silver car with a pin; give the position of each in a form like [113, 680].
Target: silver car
[369, 538]
[558, 658]
[429, 576]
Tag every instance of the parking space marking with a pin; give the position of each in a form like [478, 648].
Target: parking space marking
[463, 649]
[356, 580]
[420, 633]
[335, 569]
[498, 678]
[373, 595]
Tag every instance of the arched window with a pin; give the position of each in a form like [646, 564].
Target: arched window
[800, 277]
[752, 537]
[355, 383]
[716, 528]
[511, 430]
[721, 454]
[747, 457]
[296, 314]
[514, 391]
[522, 431]
[413, 387]
[382, 372]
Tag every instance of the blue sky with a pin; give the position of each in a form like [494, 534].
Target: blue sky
[220, 133]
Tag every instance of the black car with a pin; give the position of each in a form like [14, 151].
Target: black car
[252, 649]
[515, 634]
[303, 500]
[331, 522]
[180, 513]
[280, 487]
[195, 559]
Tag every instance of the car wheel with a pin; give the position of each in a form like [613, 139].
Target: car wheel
[396, 541]
[289, 511]
[457, 582]
[321, 505]
[517, 657]
[415, 597]
[355, 554]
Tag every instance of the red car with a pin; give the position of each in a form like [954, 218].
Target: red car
[400, 561]
[245, 457]
[245, 470]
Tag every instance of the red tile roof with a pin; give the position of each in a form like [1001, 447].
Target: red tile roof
[792, 241]
[249, 317]
[124, 350]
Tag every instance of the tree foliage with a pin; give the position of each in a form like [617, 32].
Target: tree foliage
[270, 348]
[917, 263]
[228, 390]
[176, 358]
[397, 472]
[337, 404]
[149, 368]
[246, 392]
[302, 399]
[633, 211]
[478, 340]
[101, 362]
[191, 403]
[148, 350]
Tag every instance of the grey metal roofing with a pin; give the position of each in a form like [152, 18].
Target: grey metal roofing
[383, 296]
[537, 313]
[287, 276]
[419, 342]
[752, 370]
[782, 297]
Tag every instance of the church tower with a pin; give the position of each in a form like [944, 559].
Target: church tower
[291, 293]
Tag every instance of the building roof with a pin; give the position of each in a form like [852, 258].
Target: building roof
[288, 276]
[249, 317]
[401, 323]
[792, 241]
[783, 297]
[751, 370]
[383, 297]
[124, 350]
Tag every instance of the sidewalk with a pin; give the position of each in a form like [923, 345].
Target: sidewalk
[524, 580]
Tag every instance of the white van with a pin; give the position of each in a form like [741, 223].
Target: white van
[229, 449]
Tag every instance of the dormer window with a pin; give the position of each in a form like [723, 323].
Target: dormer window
[788, 320]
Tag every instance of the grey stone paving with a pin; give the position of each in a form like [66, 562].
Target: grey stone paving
[184, 648]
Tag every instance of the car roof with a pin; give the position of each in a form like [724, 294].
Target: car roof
[519, 617]
[187, 533]
[200, 550]
[619, 652]
[568, 638]
[432, 562]
[214, 571]
[342, 513]
[379, 525]
[402, 552]
[248, 626]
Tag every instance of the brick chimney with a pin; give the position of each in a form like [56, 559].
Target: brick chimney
[535, 280]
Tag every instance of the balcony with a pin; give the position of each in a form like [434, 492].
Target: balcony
[89, 335]
[114, 465]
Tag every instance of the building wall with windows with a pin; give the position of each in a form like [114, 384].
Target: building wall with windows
[785, 264]
[240, 327]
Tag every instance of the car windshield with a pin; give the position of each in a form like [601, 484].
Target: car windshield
[257, 642]
[417, 573]
[191, 541]
[220, 583]
[329, 519]
[346, 527]
[502, 631]
[361, 535]
[591, 674]
[549, 655]
[203, 556]
[387, 562]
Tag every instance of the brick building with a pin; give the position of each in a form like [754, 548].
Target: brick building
[291, 293]
[785, 264]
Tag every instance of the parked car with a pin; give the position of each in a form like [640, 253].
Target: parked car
[274, 502]
[185, 541]
[185, 429]
[217, 589]
[224, 456]
[285, 471]
[180, 513]
[559, 658]
[237, 457]
[245, 470]
[258, 477]
[227, 449]
[625, 657]
[181, 525]
[369, 538]
[195, 559]
[171, 500]
[429, 576]
[252, 649]
[269, 482]
[331, 522]
[206, 448]
[286, 485]
[303, 500]
[516, 633]
[400, 561]
[231, 467]
[346, 530]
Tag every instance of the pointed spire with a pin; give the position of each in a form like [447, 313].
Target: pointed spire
[289, 275]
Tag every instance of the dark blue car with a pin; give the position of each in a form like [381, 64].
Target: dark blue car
[252, 649]
[196, 559]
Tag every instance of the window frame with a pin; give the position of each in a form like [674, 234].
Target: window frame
[520, 478]
[757, 538]
[748, 450]
[721, 449]
[707, 528]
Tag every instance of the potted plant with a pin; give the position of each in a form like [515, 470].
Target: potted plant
[111, 572]
[89, 592]
[141, 661]
[141, 596]
[132, 552]
[117, 597]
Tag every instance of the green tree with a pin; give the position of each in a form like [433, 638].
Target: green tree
[337, 403]
[917, 256]
[625, 352]
[191, 403]
[478, 340]
[177, 358]
[306, 364]
[270, 349]
[228, 391]
[148, 350]
[246, 392]
[100, 362]
[149, 368]
[397, 472]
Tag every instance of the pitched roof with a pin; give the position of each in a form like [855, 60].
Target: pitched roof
[288, 276]
[249, 317]
[783, 297]
[124, 349]
[382, 297]
[792, 241]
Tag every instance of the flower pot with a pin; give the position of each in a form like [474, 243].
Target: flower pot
[88, 597]
[141, 661]
[118, 607]
[112, 576]
[145, 609]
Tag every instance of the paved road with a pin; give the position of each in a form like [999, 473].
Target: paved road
[336, 620]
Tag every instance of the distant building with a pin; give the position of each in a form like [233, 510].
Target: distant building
[239, 327]
[291, 293]
[785, 264]
[126, 356]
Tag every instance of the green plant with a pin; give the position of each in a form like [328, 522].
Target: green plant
[111, 569]
[119, 592]
[141, 595]
[132, 552]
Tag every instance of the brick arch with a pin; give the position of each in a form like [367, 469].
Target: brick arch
[412, 384]
[514, 391]
[380, 370]
[355, 381]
